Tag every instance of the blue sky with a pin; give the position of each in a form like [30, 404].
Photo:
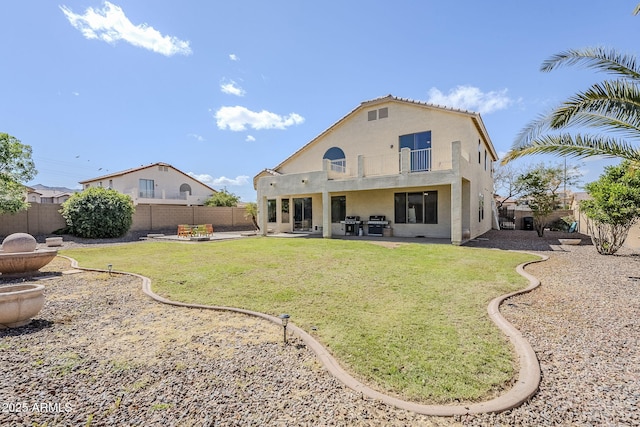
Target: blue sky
[224, 89]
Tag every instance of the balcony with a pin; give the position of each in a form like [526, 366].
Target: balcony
[163, 197]
[406, 161]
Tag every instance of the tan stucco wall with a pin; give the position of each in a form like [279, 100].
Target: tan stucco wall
[380, 137]
[45, 218]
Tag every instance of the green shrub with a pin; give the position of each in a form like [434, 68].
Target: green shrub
[98, 213]
[614, 206]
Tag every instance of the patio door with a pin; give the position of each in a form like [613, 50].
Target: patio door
[302, 214]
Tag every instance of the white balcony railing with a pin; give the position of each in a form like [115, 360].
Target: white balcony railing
[384, 164]
[421, 160]
[159, 195]
[339, 166]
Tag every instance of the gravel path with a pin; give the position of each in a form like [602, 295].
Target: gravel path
[101, 353]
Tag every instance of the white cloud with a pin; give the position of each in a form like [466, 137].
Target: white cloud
[222, 181]
[110, 24]
[472, 99]
[250, 138]
[232, 88]
[238, 118]
[75, 93]
[234, 57]
[197, 137]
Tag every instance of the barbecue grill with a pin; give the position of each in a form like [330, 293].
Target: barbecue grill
[376, 224]
[351, 225]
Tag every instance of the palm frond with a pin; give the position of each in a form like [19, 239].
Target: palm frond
[598, 58]
[533, 129]
[612, 101]
[577, 146]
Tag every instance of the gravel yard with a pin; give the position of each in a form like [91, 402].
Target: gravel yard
[101, 353]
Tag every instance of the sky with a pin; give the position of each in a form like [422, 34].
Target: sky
[224, 89]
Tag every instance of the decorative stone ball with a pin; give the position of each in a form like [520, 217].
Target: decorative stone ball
[19, 242]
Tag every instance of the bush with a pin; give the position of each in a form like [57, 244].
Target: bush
[223, 198]
[614, 206]
[98, 213]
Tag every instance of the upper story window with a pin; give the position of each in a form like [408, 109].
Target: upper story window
[420, 146]
[147, 188]
[338, 159]
[185, 188]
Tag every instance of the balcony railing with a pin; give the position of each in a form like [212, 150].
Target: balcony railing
[159, 195]
[421, 160]
[339, 166]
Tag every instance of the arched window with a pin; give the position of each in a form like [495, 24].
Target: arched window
[185, 188]
[338, 159]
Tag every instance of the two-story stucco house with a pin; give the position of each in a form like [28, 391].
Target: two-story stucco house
[158, 183]
[414, 168]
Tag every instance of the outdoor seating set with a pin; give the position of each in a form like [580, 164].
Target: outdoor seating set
[202, 230]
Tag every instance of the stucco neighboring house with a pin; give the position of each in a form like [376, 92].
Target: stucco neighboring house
[427, 169]
[157, 183]
[42, 194]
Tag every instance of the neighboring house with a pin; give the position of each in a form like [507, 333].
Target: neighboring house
[158, 183]
[426, 169]
[43, 194]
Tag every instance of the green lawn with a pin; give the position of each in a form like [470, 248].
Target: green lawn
[411, 320]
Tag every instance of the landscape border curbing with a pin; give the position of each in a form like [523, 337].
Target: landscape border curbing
[524, 388]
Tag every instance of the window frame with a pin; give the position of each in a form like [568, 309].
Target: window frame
[272, 211]
[426, 200]
[341, 213]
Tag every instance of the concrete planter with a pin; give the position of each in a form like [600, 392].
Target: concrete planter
[570, 241]
[19, 303]
[25, 262]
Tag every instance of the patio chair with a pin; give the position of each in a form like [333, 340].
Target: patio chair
[209, 229]
[184, 230]
[200, 230]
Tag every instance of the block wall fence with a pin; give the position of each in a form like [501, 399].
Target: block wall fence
[44, 218]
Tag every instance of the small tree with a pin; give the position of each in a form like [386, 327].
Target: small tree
[506, 184]
[16, 167]
[613, 208]
[98, 213]
[540, 186]
[252, 212]
[223, 198]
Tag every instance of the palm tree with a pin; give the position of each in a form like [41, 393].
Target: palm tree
[611, 107]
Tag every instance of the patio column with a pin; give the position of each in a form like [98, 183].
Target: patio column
[326, 215]
[456, 212]
[263, 217]
[456, 195]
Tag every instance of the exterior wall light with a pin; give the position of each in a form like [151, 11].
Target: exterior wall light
[285, 320]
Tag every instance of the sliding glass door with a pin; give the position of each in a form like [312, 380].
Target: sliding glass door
[302, 220]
